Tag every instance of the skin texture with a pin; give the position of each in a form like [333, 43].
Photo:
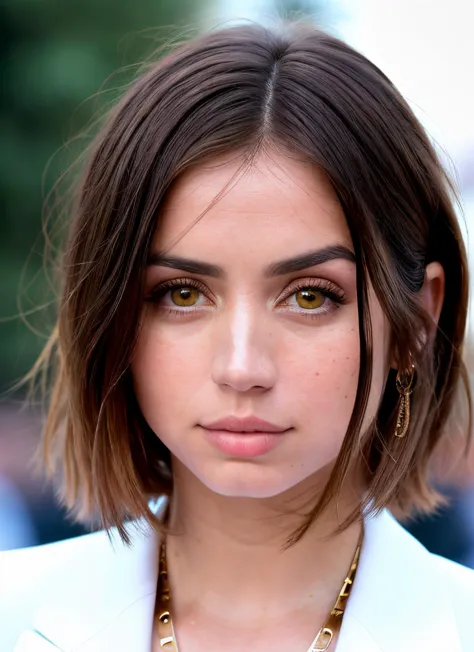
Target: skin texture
[253, 346]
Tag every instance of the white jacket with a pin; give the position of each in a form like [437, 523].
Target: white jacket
[83, 595]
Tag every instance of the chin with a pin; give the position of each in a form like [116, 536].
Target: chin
[256, 482]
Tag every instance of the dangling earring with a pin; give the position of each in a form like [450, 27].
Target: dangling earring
[404, 384]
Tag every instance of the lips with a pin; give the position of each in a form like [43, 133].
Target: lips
[250, 424]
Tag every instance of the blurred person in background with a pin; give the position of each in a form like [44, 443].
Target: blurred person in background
[257, 356]
[29, 513]
[16, 526]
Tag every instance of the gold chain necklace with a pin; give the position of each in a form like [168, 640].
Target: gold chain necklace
[323, 638]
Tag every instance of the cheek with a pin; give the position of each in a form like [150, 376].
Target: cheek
[320, 381]
[168, 374]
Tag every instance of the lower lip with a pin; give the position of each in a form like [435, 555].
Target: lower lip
[244, 444]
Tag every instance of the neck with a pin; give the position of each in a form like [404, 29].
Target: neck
[232, 551]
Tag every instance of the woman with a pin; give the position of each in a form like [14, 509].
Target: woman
[261, 323]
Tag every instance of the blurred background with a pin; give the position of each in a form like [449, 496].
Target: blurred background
[65, 62]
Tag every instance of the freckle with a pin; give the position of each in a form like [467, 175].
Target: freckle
[345, 396]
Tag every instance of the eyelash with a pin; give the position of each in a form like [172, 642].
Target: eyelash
[328, 289]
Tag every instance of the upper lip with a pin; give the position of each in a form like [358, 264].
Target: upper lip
[247, 424]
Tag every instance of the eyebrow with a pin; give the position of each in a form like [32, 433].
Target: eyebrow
[287, 266]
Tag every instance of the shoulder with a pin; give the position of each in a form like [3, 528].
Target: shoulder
[453, 579]
[460, 579]
[29, 576]
[458, 582]
[26, 566]
[403, 592]
[69, 590]
[443, 582]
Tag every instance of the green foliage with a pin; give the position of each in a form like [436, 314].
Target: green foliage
[56, 54]
[64, 62]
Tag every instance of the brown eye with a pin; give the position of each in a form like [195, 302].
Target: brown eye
[185, 297]
[309, 299]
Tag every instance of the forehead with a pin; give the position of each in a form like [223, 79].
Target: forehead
[277, 202]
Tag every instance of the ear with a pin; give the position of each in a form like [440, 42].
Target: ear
[431, 297]
[432, 292]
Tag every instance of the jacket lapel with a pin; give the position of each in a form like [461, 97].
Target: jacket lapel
[32, 641]
[398, 601]
[107, 604]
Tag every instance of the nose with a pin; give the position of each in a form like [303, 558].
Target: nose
[243, 352]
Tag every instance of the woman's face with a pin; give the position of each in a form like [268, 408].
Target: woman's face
[250, 335]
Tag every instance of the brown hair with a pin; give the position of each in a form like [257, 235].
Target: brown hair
[243, 88]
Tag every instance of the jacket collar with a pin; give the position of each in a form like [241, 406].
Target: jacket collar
[397, 601]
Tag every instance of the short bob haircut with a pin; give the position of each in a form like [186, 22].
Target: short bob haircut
[303, 93]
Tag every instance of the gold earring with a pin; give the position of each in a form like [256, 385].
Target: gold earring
[404, 384]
